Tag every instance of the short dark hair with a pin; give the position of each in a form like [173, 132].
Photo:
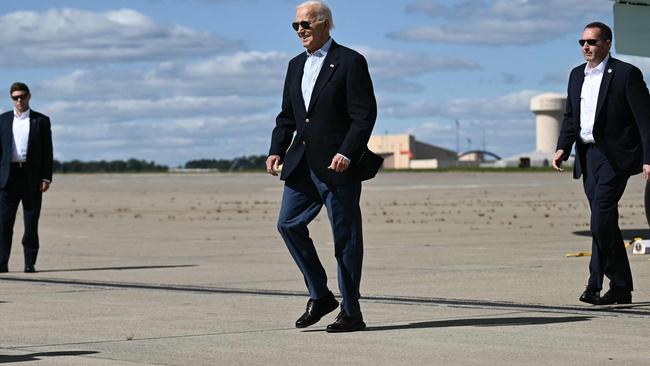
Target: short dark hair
[605, 31]
[18, 86]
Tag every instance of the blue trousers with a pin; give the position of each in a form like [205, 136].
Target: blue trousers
[303, 197]
[604, 188]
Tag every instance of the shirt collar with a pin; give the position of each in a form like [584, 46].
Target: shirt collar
[21, 115]
[321, 51]
[601, 66]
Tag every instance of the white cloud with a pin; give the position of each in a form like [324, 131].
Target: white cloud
[72, 36]
[177, 106]
[250, 73]
[392, 64]
[398, 72]
[510, 106]
[501, 22]
[243, 73]
[173, 111]
[170, 141]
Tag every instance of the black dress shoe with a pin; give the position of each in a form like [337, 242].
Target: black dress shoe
[345, 323]
[29, 268]
[616, 296]
[590, 297]
[316, 309]
[4, 268]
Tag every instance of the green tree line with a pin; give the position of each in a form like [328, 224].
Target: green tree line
[243, 163]
[113, 166]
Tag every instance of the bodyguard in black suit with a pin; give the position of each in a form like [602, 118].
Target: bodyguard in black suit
[608, 117]
[25, 173]
[329, 103]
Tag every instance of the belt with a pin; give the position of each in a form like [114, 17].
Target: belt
[590, 145]
[18, 164]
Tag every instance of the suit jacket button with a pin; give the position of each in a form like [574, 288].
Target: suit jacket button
[306, 120]
[303, 142]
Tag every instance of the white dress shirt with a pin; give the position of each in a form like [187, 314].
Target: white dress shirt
[589, 99]
[21, 136]
[313, 64]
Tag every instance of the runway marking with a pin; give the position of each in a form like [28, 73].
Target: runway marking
[632, 310]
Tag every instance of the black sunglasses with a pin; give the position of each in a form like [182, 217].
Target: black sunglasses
[591, 42]
[304, 24]
[21, 96]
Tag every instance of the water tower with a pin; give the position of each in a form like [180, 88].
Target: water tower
[549, 112]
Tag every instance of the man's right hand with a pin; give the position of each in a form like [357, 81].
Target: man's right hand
[272, 163]
[558, 158]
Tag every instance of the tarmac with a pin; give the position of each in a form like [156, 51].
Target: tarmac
[189, 269]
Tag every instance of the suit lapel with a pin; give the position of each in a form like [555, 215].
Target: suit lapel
[7, 137]
[329, 65]
[297, 83]
[604, 85]
[33, 125]
[577, 91]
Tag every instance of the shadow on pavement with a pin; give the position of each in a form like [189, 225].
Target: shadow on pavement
[116, 268]
[35, 356]
[483, 322]
[615, 307]
[628, 234]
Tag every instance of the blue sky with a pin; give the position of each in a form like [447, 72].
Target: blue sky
[172, 81]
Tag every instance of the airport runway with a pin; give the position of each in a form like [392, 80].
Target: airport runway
[459, 269]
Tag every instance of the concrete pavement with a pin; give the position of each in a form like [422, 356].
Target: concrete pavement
[459, 269]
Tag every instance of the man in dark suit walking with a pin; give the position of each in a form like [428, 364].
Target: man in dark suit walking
[25, 173]
[328, 101]
[608, 117]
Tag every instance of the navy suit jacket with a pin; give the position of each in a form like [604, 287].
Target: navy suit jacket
[622, 123]
[39, 148]
[339, 119]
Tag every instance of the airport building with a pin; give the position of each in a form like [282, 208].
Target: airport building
[405, 152]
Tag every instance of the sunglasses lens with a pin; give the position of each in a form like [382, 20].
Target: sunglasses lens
[591, 42]
[304, 24]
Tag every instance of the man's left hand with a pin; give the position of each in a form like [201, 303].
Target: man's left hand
[646, 172]
[44, 186]
[339, 163]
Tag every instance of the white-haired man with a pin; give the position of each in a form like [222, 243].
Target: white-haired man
[329, 103]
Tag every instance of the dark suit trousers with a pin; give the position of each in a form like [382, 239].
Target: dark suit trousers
[18, 190]
[303, 197]
[604, 188]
